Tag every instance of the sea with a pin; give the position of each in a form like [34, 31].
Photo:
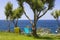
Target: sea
[51, 24]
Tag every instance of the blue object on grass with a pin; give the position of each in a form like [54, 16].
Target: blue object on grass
[27, 30]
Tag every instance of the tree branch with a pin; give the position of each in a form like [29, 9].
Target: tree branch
[42, 14]
[28, 17]
[38, 13]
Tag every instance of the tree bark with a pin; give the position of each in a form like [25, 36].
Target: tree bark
[42, 14]
[28, 17]
[34, 24]
[58, 25]
[16, 23]
[8, 25]
[34, 30]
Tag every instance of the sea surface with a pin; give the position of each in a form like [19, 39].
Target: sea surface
[51, 24]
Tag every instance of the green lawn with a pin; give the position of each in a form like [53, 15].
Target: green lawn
[13, 36]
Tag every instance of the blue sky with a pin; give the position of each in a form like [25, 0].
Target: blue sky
[29, 12]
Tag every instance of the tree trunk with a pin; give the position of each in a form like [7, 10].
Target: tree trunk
[58, 22]
[8, 25]
[58, 25]
[34, 25]
[34, 30]
[16, 22]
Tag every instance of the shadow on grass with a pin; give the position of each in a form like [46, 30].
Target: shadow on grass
[47, 38]
[41, 37]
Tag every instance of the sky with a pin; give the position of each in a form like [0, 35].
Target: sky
[29, 12]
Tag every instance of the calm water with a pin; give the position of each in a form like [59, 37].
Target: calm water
[52, 24]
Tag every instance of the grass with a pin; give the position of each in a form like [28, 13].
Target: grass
[13, 36]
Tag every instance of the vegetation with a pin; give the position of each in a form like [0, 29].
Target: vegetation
[38, 7]
[17, 13]
[8, 13]
[13, 36]
[56, 15]
[43, 31]
[12, 15]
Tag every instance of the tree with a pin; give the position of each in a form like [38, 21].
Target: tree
[8, 13]
[17, 13]
[12, 15]
[38, 7]
[56, 15]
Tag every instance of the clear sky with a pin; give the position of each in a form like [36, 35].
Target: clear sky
[29, 12]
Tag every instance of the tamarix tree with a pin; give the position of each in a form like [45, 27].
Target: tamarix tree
[56, 15]
[17, 13]
[12, 16]
[8, 13]
[39, 7]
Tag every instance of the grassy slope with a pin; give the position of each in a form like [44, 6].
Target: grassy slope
[12, 36]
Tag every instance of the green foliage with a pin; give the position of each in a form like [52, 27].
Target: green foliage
[20, 2]
[13, 14]
[50, 3]
[17, 13]
[8, 10]
[38, 4]
[56, 14]
[8, 13]
[37, 7]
